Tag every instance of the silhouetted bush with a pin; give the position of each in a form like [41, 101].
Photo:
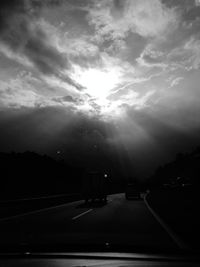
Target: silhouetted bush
[30, 174]
[185, 169]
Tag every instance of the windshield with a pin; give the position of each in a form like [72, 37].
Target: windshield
[99, 124]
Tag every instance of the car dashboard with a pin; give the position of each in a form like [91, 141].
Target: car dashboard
[95, 259]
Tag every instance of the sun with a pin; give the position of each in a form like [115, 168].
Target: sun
[98, 83]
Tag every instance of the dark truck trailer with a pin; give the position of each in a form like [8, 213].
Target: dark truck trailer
[94, 186]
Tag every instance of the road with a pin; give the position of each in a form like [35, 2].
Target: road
[118, 222]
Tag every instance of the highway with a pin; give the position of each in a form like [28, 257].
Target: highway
[120, 221]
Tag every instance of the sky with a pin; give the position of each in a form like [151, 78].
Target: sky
[115, 82]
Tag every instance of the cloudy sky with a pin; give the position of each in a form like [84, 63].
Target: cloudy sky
[116, 79]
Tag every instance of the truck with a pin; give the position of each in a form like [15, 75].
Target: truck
[94, 186]
[132, 191]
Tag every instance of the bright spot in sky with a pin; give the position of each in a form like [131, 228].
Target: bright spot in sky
[98, 83]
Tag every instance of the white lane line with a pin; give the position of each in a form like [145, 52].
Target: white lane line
[76, 217]
[37, 211]
[180, 243]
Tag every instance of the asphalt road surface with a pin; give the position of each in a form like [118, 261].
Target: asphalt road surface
[120, 221]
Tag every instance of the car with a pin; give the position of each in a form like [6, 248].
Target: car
[132, 192]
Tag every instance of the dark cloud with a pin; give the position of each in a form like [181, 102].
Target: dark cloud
[66, 98]
[179, 3]
[32, 128]
[46, 58]
[118, 8]
[84, 140]
[7, 9]
[153, 59]
[192, 14]
[119, 4]
[188, 8]
[135, 45]
[38, 4]
[19, 32]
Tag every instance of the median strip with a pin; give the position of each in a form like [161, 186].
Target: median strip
[76, 217]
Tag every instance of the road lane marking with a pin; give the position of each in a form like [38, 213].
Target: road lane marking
[37, 211]
[76, 217]
[180, 243]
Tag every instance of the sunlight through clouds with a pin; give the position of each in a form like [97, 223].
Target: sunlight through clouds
[98, 83]
[130, 66]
